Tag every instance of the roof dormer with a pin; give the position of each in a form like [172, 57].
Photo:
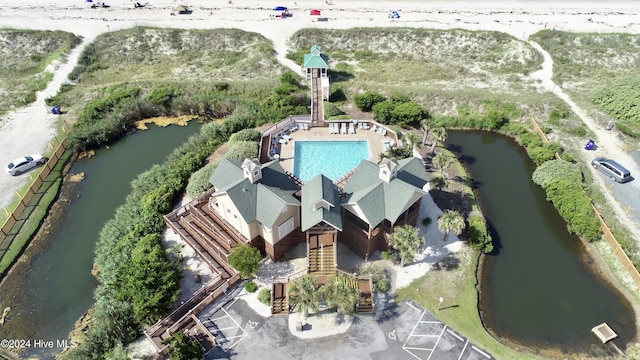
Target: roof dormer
[252, 170]
[388, 169]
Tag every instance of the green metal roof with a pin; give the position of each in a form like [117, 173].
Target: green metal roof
[379, 200]
[263, 200]
[316, 194]
[315, 59]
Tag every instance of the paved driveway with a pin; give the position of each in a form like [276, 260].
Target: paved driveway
[402, 331]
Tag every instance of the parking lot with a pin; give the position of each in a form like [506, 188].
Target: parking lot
[401, 331]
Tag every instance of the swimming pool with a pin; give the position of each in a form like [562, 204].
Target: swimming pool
[330, 158]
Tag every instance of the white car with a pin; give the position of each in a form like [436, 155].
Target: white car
[20, 165]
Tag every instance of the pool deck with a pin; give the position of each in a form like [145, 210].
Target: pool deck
[322, 133]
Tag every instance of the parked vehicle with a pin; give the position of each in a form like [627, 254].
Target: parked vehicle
[612, 169]
[23, 164]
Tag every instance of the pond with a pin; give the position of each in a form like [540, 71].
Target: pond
[539, 288]
[52, 286]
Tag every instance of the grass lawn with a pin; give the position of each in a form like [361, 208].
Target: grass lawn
[459, 309]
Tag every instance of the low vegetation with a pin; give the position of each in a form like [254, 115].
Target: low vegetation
[24, 61]
[562, 182]
[600, 72]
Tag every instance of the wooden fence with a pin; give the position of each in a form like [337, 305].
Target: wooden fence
[14, 217]
[607, 234]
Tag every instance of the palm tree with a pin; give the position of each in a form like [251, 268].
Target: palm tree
[412, 140]
[406, 242]
[437, 135]
[341, 292]
[441, 161]
[438, 182]
[451, 220]
[426, 126]
[304, 292]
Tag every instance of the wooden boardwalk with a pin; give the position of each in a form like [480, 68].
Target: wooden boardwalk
[213, 240]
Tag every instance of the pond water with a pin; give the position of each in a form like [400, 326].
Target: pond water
[49, 291]
[537, 288]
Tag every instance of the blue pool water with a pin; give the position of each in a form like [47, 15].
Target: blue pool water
[330, 158]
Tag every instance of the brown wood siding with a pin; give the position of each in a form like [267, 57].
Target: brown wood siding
[285, 244]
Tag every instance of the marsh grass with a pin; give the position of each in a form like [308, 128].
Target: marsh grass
[23, 63]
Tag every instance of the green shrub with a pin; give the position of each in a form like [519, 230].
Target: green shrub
[199, 180]
[243, 150]
[245, 135]
[367, 100]
[564, 186]
[331, 110]
[627, 130]
[163, 95]
[478, 235]
[541, 154]
[264, 296]
[250, 286]
[559, 112]
[619, 99]
[245, 259]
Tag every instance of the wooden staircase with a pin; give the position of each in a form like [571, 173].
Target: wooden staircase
[322, 261]
[279, 302]
[365, 302]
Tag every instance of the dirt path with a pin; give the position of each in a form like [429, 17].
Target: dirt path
[29, 130]
[609, 145]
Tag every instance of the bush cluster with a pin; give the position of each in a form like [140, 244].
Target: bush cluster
[620, 100]
[250, 286]
[378, 276]
[245, 259]
[399, 110]
[264, 296]
[564, 186]
[199, 180]
[478, 235]
[367, 100]
[241, 150]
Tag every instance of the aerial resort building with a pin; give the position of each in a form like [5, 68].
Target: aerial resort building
[302, 190]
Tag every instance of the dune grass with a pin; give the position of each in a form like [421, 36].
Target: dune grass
[23, 63]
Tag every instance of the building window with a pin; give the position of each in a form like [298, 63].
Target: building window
[285, 228]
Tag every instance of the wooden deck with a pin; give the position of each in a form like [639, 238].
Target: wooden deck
[213, 240]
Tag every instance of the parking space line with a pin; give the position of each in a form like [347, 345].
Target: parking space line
[414, 308]
[463, 349]
[454, 334]
[244, 333]
[437, 341]
[481, 352]
[415, 348]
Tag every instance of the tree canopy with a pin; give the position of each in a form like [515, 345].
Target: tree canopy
[451, 221]
[406, 242]
[245, 259]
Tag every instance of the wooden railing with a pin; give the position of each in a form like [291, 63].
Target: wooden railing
[15, 220]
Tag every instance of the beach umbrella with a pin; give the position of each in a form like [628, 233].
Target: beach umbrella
[315, 12]
[180, 8]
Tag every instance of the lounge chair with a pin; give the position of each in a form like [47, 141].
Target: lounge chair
[365, 126]
[374, 128]
[331, 128]
[336, 128]
[285, 136]
[305, 126]
[351, 129]
[343, 128]
[384, 132]
[293, 128]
